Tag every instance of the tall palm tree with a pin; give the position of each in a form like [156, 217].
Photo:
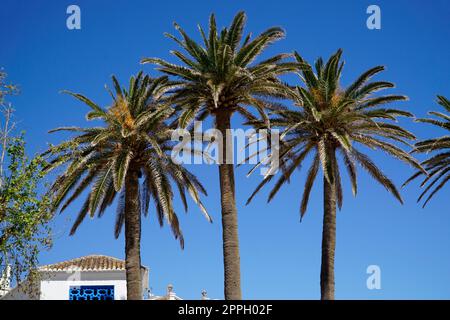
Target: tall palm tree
[219, 78]
[437, 166]
[126, 157]
[328, 121]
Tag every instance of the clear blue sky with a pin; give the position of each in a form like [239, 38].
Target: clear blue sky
[280, 256]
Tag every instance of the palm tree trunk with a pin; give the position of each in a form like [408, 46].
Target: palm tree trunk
[229, 213]
[133, 236]
[328, 241]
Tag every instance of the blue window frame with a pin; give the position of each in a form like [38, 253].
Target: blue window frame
[91, 293]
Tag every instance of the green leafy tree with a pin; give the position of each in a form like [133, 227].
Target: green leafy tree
[127, 157]
[329, 121]
[220, 78]
[437, 166]
[24, 213]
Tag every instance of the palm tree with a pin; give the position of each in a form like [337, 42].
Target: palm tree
[126, 157]
[218, 78]
[438, 166]
[328, 121]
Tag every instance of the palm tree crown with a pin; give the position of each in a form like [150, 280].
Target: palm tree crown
[437, 166]
[328, 119]
[220, 74]
[134, 137]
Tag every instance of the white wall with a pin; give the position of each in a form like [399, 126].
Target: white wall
[57, 284]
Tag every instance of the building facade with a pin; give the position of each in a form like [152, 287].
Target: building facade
[93, 277]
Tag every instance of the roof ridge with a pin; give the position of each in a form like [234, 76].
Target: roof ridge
[81, 258]
[92, 262]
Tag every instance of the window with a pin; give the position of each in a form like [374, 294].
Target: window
[91, 293]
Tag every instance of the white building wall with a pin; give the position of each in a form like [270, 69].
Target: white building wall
[57, 284]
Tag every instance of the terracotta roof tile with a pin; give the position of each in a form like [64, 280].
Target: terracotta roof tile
[87, 263]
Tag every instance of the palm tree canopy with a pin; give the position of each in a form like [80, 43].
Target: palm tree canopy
[328, 118]
[437, 166]
[220, 74]
[134, 136]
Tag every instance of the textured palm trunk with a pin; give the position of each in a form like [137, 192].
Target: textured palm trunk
[328, 241]
[229, 213]
[133, 236]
